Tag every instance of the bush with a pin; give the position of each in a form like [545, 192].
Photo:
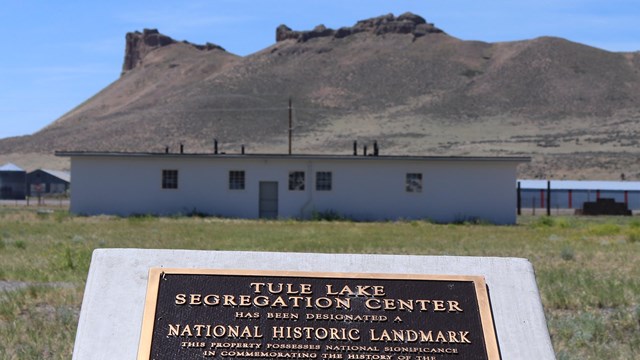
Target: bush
[197, 213]
[469, 220]
[563, 223]
[139, 218]
[635, 223]
[633, 236]
[545, 221]
[68, 262]
[567, 253]
[327, 215]
[604, 229]
[61, 215]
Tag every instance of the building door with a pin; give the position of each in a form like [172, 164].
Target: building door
[268, 207]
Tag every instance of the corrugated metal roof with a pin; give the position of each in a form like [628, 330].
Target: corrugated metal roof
[10, 167]
[63, 175]
[581, 185]
[297, 156]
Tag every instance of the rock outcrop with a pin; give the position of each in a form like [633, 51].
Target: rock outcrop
[139, 44]
[406, 23]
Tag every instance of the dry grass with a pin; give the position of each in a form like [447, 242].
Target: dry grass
[586, 267]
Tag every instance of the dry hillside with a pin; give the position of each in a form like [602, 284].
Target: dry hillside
[398, 80]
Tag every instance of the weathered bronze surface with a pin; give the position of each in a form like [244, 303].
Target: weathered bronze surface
[223, 314]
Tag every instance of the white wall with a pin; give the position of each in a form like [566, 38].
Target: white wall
[362, 189]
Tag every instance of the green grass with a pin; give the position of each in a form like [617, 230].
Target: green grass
[586, 267]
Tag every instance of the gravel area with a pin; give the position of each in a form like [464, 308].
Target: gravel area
[12, 285]
[6, 286]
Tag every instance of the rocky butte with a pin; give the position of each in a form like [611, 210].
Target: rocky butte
[406, 23]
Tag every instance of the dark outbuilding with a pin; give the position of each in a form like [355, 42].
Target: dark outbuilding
[13, 183]
[47, 182]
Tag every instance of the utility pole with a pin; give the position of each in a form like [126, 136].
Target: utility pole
[290, 124]
[548, 197]
[519, 196]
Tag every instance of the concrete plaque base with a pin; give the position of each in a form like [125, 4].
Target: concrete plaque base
[112, 310]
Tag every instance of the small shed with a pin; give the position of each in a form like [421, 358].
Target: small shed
[13, 182]
[48, 182]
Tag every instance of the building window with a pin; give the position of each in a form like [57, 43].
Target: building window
[57, 188]
[323, 181]
[414, 182]
[236, 180]
[169, 179]
[296, 180]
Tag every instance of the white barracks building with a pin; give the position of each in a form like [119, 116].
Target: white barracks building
[441, 189]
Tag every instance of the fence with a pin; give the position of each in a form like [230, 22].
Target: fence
[62, 202]
[565, 201]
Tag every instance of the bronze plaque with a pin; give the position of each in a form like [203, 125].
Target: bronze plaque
[224, 314]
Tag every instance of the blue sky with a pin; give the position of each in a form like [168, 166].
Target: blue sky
[57, 54]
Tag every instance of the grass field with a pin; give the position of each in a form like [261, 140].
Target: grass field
[587, 268]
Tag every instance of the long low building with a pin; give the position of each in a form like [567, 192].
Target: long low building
[442, 189]
[572, 194]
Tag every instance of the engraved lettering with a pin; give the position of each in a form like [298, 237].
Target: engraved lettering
[313, 333]
[195, 299]
[463, 337]
[360, 290]
[211, 300]
[438, 305]
[214, 331]
[454, 306]
[173, 330]
[279, 288]
[421, 336]
[181, 299]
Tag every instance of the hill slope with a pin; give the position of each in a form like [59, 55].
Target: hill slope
[398, 80]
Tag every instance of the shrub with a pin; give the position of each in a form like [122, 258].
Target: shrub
[567, 253]
[604, 229]
[633, 236]
[139, 218]
[545, 221]
[327, 215]
[635, 223]
[68, 262]
[61, 215]
[563, 223]
[197, 213]
[469, 220]
[43, 213]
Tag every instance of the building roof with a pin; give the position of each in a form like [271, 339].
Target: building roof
[62, 175]
[10, 167]
[580, 185]
[521, 159]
